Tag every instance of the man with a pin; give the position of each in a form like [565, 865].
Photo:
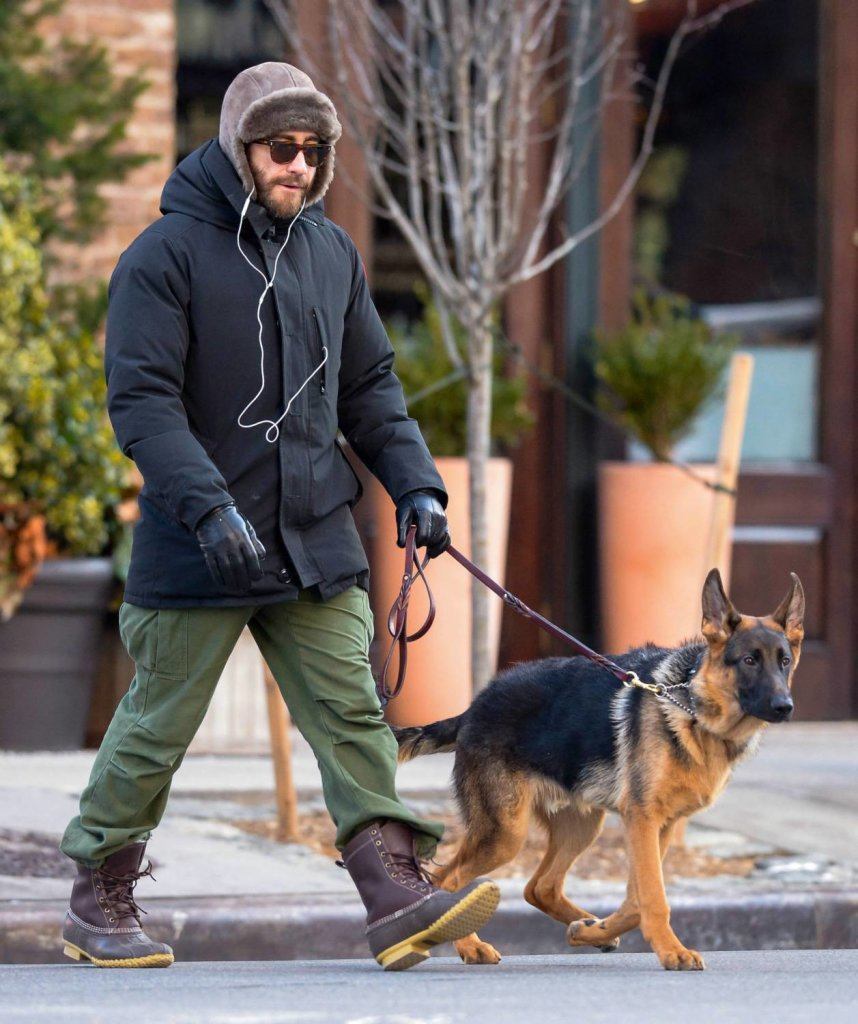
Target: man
[227, 391]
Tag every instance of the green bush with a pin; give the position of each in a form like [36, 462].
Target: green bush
[659, 371]
[58, 454]
[422, 360]
[63, 118]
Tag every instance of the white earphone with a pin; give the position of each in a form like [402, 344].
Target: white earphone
[274, 424]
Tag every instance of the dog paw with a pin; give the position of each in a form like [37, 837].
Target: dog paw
[475, 951]
[681, 959]
[590, 931]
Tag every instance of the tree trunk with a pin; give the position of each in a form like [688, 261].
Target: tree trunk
[479, 436]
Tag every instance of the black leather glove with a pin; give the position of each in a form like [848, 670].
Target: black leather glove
[424, 509]
[231, 547]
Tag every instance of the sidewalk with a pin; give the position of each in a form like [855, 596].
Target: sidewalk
[223, 893]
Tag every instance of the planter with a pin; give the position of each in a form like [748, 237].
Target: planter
[49, 655]
[438, 681]
[654, 527]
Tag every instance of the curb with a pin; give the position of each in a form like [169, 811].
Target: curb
[326, 927]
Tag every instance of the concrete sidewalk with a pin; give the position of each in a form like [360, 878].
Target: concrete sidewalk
[222, 893]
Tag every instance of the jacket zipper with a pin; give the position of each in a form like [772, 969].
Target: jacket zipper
[322, 375]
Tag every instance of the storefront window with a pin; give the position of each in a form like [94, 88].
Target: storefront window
[216, 39]
[728, 214]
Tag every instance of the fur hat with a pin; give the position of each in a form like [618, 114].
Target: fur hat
[271, 98]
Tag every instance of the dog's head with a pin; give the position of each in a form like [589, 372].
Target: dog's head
[751, 659]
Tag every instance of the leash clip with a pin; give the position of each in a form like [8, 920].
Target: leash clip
[632, 679]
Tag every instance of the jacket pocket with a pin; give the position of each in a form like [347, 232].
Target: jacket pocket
[320, 347]
[156, 639]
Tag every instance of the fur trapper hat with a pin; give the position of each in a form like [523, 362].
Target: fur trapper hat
[269, 99]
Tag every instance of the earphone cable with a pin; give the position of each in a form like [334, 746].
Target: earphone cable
[274, 424]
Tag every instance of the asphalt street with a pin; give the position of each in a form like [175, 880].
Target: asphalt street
[758, 987]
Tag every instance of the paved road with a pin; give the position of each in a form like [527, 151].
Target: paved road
[757, 988]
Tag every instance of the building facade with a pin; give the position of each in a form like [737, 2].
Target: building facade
[762, 236]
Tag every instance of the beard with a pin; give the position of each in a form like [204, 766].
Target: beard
[279, 202]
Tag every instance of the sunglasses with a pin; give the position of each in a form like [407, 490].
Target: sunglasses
[285, 152]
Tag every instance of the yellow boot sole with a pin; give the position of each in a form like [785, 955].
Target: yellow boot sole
[468, 916]
[153, 960]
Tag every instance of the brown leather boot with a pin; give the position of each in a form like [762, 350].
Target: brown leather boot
[103, 921]
[406, 913]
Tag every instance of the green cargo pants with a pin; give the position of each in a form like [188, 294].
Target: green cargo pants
[318, 651]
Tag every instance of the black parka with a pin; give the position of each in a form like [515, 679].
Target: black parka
[182, 361]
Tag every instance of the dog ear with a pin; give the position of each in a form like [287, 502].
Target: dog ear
[720, 617]
[790, 612]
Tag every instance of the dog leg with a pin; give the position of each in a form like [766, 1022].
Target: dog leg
[570, 832]
[599, 932]
[493, 836]
[593, 931]
[646, 846]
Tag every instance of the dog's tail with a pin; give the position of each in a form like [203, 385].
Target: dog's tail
[439, 737]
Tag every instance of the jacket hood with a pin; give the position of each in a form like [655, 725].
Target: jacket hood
[206, 186]
[270, 98]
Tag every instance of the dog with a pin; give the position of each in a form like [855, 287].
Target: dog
[563, 740]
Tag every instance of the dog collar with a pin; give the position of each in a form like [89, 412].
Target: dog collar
[691, 707]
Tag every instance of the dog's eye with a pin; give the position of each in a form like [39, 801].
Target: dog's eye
[785, 661]
[749, 659]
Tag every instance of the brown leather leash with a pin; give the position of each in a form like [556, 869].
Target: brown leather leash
[398, 617]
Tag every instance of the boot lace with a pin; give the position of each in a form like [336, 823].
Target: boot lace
[408, 866]
[412, 869]
[119, 891]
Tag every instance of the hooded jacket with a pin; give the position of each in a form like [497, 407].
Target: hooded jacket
[182, 361]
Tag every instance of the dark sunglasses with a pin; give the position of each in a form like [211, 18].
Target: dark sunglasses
[285, 152]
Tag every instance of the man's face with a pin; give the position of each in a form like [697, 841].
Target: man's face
[273, 180]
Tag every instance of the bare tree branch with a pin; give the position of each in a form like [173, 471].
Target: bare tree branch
[689, 25]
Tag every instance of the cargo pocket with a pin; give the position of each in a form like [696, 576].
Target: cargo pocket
[156, 638]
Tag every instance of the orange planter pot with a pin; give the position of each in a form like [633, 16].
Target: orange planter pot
[438, 681]
[654, 527]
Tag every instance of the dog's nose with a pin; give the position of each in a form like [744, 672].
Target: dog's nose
[781, 707]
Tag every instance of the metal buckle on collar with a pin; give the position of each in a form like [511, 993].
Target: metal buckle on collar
[660, 690]
[633, 679]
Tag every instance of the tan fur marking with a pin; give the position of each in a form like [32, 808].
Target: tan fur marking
[487, 843]
[570, 832]
[473, 950]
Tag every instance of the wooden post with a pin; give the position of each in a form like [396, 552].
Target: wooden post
[281, 752]
[719, 546]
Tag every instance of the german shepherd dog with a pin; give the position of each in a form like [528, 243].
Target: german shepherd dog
[562, 739]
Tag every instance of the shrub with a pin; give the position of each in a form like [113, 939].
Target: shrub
[58, 455]
[659, 371]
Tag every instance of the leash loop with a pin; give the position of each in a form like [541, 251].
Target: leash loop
[397, 620]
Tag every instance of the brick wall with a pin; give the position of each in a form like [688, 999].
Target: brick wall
[140, 35]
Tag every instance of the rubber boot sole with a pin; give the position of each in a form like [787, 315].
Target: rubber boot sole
[467, 916]
[152, 960]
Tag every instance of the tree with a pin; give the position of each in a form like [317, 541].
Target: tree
[445, 99]
[63, 114]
